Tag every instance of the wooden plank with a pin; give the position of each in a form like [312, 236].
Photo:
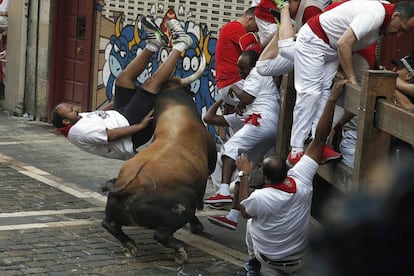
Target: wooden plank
[338, 175]
[372, 144]
[287, 102]
[395, 121]
[352, 98]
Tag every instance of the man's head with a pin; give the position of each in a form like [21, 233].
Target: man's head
[402, 19]
[274, 169]
[246, 62]
[405, 68]
[248, 20]
[64, 114]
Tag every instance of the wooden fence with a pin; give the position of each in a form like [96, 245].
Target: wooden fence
[378, 119]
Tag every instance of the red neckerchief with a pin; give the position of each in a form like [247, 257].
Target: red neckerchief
[253, 119]
[65, 130]
[389, 10]
[288, 185]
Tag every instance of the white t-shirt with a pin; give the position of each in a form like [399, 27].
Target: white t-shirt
[89, 134]
[364, 17]
[266, 94]
[280, 219]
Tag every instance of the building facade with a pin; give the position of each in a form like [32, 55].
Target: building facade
[72, 51]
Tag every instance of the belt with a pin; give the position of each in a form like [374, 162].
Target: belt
[286, 263]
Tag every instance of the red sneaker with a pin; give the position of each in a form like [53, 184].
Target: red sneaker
[329, 154]
[223, 221]
[218, 198]
[291, 161]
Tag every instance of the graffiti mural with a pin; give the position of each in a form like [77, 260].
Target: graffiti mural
[128, 40]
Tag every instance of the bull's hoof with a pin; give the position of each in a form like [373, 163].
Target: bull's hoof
[196, 228]
[130, 250]
[181, 256]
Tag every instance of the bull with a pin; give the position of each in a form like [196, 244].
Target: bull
[161, 187]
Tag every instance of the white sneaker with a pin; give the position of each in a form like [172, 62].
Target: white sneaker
[178, 34]
[154, 35]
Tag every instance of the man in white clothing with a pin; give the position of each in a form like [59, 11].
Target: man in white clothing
[329, 39]
[279, 213]
[260, 97]
[120, 132]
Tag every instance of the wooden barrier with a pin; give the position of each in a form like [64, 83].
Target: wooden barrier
[378, 120]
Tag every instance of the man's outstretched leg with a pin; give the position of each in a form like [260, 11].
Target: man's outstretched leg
[155, 40]
[181, 42]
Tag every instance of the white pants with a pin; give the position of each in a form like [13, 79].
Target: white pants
[347, 146]
[315, 67]
[254, 140]
[266, 29]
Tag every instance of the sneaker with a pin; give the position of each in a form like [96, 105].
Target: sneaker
[253, 267]
[329, 154]
[154, 34]
[218, 198]
[178, 34]
[281, 4]
[223, 221]
[291, 161]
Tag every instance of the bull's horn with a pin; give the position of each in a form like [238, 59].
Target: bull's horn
[197, 74]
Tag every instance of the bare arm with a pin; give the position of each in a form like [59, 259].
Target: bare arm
[344, 46]
[244, 97]
[405, 87]
[243, 164]
[122, 132]
[404, 101]
[211, 117]
[315, 148]
[272, 49]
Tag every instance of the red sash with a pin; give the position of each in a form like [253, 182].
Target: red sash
[65, 130]
[288, 185]
[253, 119]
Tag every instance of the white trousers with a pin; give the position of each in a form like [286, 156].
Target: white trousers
[315, 66]
[266, 29]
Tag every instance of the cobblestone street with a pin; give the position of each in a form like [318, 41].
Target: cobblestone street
[51, 210]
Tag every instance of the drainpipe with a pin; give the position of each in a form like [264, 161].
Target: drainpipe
[23, 58]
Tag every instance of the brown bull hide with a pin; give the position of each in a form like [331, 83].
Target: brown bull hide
[161, 186]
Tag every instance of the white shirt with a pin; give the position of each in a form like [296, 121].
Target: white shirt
[266, 94]
[280, 219]
[364, 17]
[89, 134]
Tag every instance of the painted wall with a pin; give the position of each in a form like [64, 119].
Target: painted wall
[121, 38]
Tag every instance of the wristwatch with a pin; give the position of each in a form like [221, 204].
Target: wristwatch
[242, 173]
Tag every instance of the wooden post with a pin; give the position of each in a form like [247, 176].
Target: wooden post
[287, 102]
[372, 144]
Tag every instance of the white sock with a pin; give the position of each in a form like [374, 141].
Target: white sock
[233, 215]
[296, 150]
[181, 47]
[224, 189]
[152, 47]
